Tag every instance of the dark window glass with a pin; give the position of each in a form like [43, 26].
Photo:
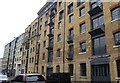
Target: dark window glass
[44, 33]
[83, 69]
[58, 53]
[71, 18]
[42, 70]
[117, 38]
[60, 3]
[43, 57]
[116, 13]
[59, 25]
[57, 69]
[44, 44]
[83, 47]
[98, 22]
[99, 46]
[118, 68]
[32, 59]
[70, 8]
[59, 38]
[71, 51]
[71, 69]
[46, 23]
[82, 11]
[96, 3]
[82, 28]
[61, 15]
[79, 2]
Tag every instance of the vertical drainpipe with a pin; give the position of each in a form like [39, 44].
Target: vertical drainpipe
[64, 36]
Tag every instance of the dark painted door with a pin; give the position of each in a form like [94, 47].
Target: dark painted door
[100, 73]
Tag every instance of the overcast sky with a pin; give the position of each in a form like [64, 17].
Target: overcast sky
[15, 16]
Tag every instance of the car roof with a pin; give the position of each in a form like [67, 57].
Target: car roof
[29, 74]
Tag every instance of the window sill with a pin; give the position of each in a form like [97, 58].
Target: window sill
[115, 20]
[82, 53]
[83, 77]
[82, 16]
[116, 46]
[82, 33]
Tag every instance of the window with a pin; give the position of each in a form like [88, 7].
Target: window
[59, 25]
[71, 69]
[40, 19]
[99, 46]
[44, 44]
[96, 3]
[39, 37]
[117, 38]
[58, 53]
[60, 3]
[83, 69]
[82, 11]
[118, 67]
[116, 13]
[61, 15]
[44, 33]
[82, 28]
[46, 23]
[57, 69]
[40, 27]
[43, 57]
[98, 22]
[71, 51]
[70, 8]
[42, 70]
[46, 15]
[33, 49]
[79, 2]
[71, 18]
[71, 34]
[83, 47]
[59, 38]
[32, 59]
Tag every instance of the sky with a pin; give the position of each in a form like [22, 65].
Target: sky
[15, 16]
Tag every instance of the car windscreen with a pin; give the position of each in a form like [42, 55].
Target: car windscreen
[33, 78]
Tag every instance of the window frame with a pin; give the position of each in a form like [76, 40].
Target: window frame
[117, 41]
[117, 15]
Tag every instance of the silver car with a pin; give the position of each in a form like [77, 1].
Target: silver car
[3, 78]
[29, 78]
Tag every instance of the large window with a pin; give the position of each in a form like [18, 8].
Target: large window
[59, 38]
[42, 70]
[61, 15]
[99, 46]
[70, 8]
[83, 47]
[82, 11]
[117, 38]
[96, 3]
[58, 53]
[57, 69]
[71, 18]
[82, 28]
[79, 2]
[83, 69]
[118, 67]
[98, 22]
[71, 69]
[116, 13]
[59, 25]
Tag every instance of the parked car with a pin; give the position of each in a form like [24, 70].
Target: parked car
[28, 78]
[3, 78]
[59, 78]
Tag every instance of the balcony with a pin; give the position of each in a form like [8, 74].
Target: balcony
[50, 46]
[70, 55]
[98, 30]
[95, 10]
[70, 39]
